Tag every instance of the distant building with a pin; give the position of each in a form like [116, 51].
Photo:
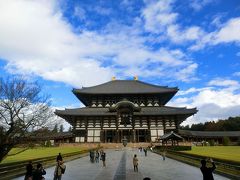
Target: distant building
[124, 109]
[217, 136]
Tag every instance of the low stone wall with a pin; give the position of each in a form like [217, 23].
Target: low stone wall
[225, 168]
[16, 169]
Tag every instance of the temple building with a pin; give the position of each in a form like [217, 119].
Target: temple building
[124, 109]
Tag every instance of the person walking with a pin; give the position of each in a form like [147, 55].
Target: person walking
[103, 158]
[29, 171]
[164, 155]
[207, 171]
[135, 163]
[39, 172]
[145, 151]
[97, 157]
[59, 170]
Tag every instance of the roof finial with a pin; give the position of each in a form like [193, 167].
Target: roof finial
[113, 78]
[135, 78]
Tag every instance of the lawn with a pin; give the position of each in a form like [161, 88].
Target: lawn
[40, 152]
[222, 152]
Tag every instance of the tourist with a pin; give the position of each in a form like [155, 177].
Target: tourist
[59, 170]
[97, 157]
[59, 157]
[135, 163]
[29, 171]
[103, 158]
[91, 153]
[164, 155]
[207, 171]
[145, 151]
[39, 172]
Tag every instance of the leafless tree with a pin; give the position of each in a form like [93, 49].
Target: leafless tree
[22, 107]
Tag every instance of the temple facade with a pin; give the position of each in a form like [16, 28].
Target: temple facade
[129, 110]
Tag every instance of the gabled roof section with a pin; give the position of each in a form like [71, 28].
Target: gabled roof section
[171, 135]
[125, 87]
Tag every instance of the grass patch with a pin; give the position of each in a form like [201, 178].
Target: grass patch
[220, 152]
[40, 152]
[15, 151]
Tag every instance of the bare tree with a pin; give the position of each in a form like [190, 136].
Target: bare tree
[22, 107]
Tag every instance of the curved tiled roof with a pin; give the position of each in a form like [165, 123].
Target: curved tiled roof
[125, 87]
[89, 111]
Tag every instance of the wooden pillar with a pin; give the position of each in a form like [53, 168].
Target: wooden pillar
[86, 129]
[137, 135]
[117, 136]
[176, 123]
[147, 132]
[164, 126]
[105, 136]
[134, 135]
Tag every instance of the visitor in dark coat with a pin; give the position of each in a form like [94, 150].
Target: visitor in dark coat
[103, 158]
[39, 172]
[207, 171]
[29, 171]
[145, 151]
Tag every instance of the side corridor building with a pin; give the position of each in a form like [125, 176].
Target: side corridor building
[124, 109]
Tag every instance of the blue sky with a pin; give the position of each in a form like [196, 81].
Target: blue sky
[192, 44]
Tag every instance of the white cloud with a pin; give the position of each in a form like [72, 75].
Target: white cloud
[212, 103]
[192, 90]
[158, 15]
[36, 39]
[229, 32]
[102, 10]
[179, 35]
[238, 54]
[224, 82]
[197, 5]
[79, 12]
[236, 73]
[159, 18]
[183, 74]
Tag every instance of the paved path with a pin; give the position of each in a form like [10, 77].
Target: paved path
[119, 167]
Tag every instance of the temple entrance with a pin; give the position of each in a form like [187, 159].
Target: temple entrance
[114, 136]
[110, 134]
[126, 134]
[142, 135]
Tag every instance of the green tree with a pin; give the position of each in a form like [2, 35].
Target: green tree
[55, 129]
[70, 129]
[61, 128]
[226, 141]
[211, 142]
[22, 107]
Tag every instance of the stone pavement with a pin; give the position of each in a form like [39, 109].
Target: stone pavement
[119, 167]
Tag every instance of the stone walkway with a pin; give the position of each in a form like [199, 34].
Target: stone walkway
[119, 167]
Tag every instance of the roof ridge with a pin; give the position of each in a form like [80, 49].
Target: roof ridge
[135, 81]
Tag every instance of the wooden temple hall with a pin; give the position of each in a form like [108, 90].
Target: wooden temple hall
[124, 109]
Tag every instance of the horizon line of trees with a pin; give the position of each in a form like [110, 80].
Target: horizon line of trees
[230, 124]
